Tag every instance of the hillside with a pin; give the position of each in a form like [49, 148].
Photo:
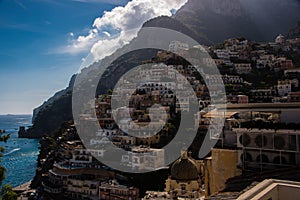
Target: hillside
[294, 32]
[257, 20]
[207, 21]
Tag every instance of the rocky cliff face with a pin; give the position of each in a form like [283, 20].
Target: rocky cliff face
[47, 103]
[222, 7]
[49, 116]
[54, 98]
[258, 20]
[177, 25]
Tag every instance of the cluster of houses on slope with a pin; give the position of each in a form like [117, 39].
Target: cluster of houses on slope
[79, 175]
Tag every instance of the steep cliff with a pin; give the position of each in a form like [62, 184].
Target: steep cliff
[58, 109]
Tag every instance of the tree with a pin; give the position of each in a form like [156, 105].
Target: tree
[4, 138]
[2, 174]
[6, 192]
[2, 169]
[109, 92]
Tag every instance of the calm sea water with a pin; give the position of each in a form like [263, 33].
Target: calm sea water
[20, 155]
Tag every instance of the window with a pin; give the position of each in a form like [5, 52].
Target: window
[183, 187]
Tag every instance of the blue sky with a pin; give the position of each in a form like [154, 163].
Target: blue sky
[43, 42]
[30, 31]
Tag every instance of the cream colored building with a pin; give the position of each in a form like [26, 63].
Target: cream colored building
[83, 189]
[218, 168]
[271, 189]
[185, 179]
[115, 191]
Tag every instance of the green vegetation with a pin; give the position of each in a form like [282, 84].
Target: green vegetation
[6, 192]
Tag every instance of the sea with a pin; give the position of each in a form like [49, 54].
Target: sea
[20, 155]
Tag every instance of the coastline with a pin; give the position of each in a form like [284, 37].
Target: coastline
[21, 188]
[24, 191]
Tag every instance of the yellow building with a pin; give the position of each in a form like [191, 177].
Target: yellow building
[185, 179]
[218, 168]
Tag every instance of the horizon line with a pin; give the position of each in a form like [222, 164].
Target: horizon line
[16, 114]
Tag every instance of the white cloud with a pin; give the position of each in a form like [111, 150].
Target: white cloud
[106, 47]
[79, 44]
[136, 12]
[106, 33]
[113, 2]
[118, 23]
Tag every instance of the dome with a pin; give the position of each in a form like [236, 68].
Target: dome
[280, 39]
[184, 169]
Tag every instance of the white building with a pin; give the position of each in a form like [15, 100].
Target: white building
[81, 156]
[103, 136]
[140, 158]
[178, 48]
[284, 87]
[230, 79]
[222, 53]
[213, 79]
[242, 68]
[280, 39]
[183, 103]
[265, 60]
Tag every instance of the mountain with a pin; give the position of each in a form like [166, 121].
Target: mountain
[177, 25]
[294, 32]
[52, 113]
[52, 100]
[58, 109]
[257, 20]
[207, 21]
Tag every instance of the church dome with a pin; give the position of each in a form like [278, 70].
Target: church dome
[184, 169]
[280, 39]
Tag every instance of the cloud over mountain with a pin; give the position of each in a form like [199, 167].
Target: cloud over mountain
[118, 26]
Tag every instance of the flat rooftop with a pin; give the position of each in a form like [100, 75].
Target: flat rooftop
[273, 189]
